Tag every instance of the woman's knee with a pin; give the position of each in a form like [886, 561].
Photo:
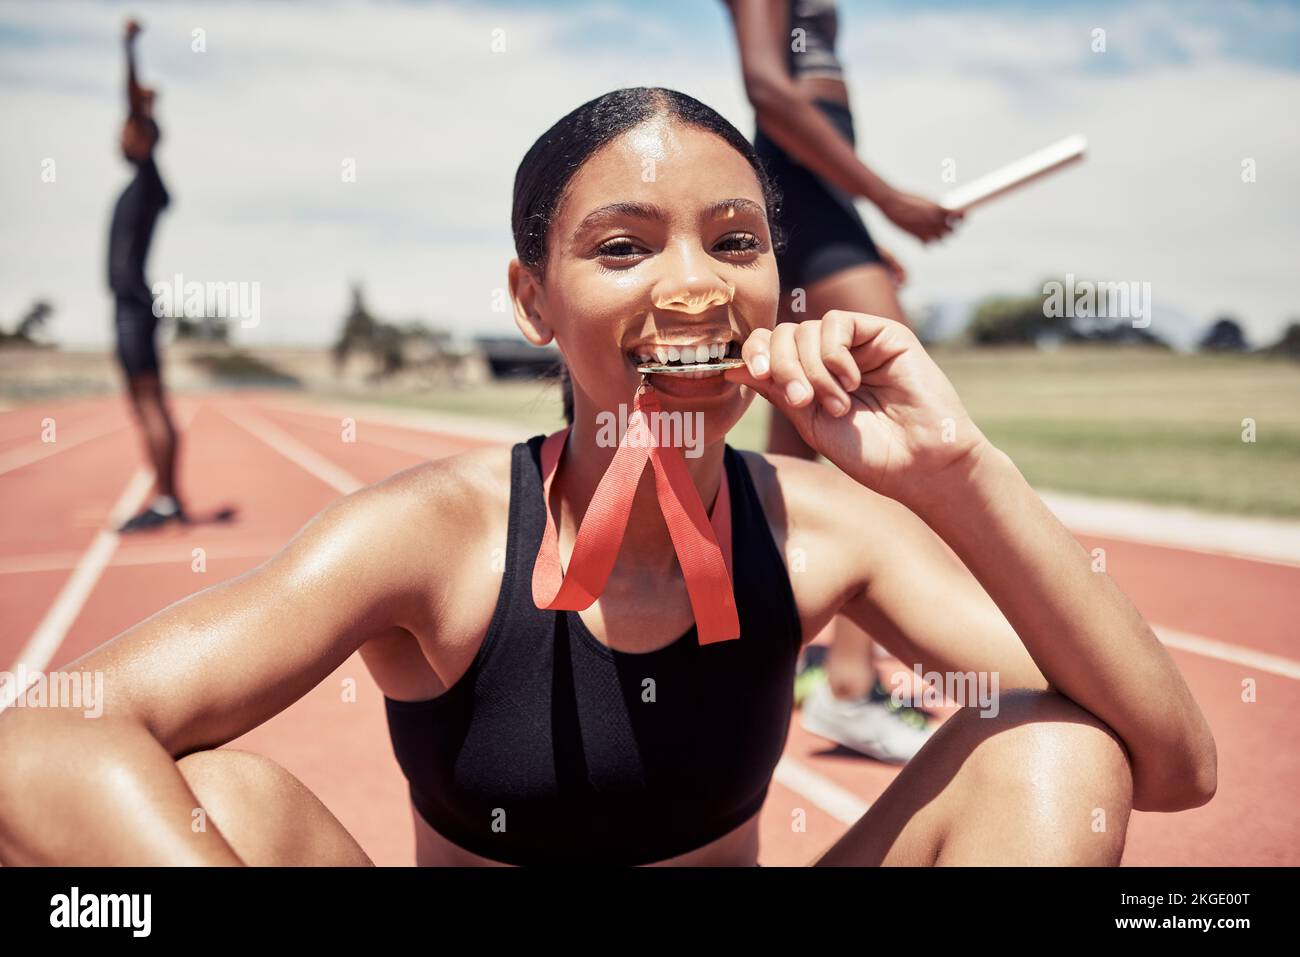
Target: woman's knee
[264, 812]
[1059, 773]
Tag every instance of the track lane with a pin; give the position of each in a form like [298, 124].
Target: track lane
[1251, 820]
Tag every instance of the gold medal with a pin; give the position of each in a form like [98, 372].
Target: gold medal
[717, 365]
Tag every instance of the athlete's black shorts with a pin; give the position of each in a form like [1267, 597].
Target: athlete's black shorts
[824, 231]
[136, 328]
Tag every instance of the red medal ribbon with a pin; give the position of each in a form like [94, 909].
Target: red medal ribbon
[702, 542]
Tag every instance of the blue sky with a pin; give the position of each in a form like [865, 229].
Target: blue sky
[255, 129]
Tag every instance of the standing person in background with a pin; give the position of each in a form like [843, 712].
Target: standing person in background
[129, 235]
[805, 138]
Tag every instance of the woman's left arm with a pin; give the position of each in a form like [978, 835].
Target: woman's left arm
[901, 430]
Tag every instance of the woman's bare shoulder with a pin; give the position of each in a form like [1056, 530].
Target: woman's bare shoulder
[812, 504]
[810, 493]
[465, 494]
[424, 533]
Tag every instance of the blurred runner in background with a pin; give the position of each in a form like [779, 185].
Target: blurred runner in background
[129, 235]
[805, 138]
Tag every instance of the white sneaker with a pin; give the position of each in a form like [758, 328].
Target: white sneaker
[867, 725]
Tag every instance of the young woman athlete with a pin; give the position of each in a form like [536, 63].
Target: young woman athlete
[528, 735]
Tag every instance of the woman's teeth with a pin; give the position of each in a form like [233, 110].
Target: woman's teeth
[687, 355]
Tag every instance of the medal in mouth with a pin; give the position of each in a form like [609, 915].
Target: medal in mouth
[729, 358]
[715, 365]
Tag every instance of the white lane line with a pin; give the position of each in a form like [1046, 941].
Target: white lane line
[1253, 538]
[438, 423]
[46, 640]
[293, 450]
[34, 452]
[414, 446]
[140, 555]
[50, 633]
[1222, 651]
[845, 806]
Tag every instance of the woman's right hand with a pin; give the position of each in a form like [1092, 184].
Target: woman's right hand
[923, 218]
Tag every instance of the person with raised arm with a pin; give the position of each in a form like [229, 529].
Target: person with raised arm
[129, 237]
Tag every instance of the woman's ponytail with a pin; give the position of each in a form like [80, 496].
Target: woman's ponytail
[566, 388]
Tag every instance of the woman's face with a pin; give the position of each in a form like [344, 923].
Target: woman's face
[661, 240]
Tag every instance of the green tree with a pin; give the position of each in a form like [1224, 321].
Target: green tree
[1289, 343]
[1010, 319]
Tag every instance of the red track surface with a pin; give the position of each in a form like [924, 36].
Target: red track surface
[56, 504]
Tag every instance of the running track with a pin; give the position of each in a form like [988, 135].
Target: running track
[67, 585]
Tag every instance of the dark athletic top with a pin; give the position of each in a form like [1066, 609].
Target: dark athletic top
[819, 21]
[131, 230]
[554, 748]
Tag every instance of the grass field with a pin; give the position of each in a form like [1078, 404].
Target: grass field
[1120, 423]
[1142, 425]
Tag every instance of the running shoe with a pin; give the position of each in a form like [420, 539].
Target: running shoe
[807, 679]
[872, 725]
[149, 518]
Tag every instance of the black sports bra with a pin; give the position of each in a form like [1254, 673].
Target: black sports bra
[554, 748]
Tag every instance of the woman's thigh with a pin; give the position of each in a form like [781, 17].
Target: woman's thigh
[1042, 782]
[267, 815]
[865, 288]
